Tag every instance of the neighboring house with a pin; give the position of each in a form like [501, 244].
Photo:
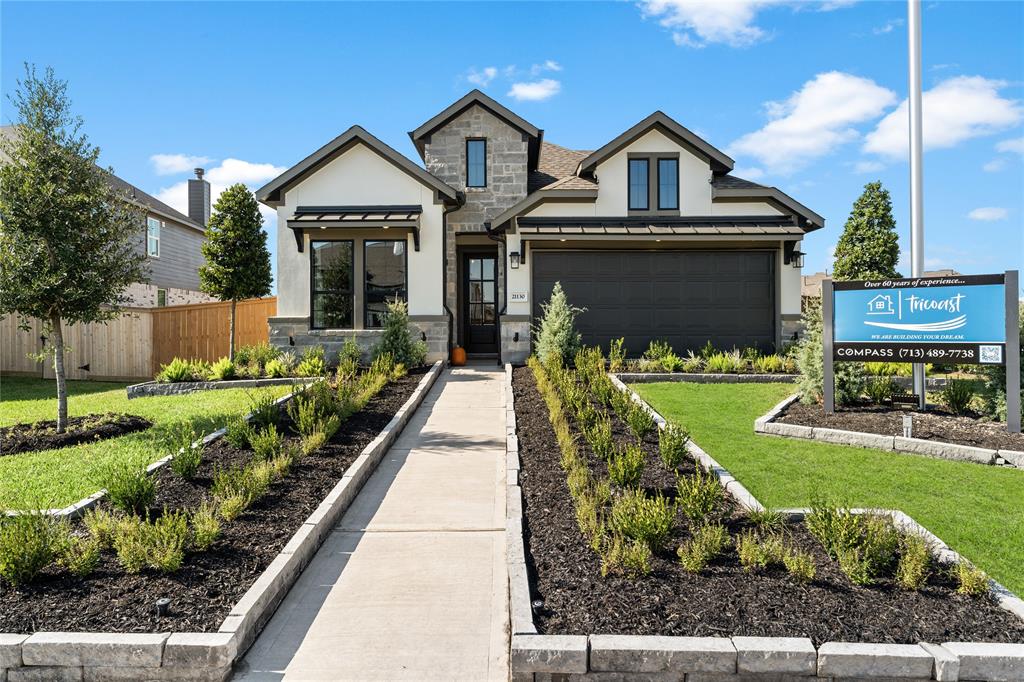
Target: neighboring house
[649, 233]
[172, 243]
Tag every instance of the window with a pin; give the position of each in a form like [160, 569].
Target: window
[153, 237]
[638, 171]
[476, 163]
[384, 263]
[668, 184]
[161, 298]
[331, 301]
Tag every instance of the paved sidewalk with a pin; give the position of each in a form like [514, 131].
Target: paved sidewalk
[411, 584]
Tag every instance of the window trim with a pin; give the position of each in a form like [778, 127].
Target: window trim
[312, 281]
[484, 141]
[150, 222]
[405, 254]
[158, 303]
[629, 183]
[657, 163]
[653, 185]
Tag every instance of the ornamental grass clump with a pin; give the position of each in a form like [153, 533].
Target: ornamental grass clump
[313, 363]
[699, 496]
[880, 389]
[957, 395]
[706, 543]
[693, 364]
[29, 542]
[767, 364]
[626, 466]
[725, 363]
[914, 564]
[640, 420]
[672, 442]
[275, 369]
[767, 520]
[639, 517]
[129, 488]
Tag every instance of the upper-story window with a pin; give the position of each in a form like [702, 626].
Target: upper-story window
[153, 237]
[639, 170]
[476, 163]
[668, 184]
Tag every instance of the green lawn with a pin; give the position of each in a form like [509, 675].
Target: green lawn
[978, 510]
[56, 478]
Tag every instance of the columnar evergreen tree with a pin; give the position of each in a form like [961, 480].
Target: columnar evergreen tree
[69, 243]
[556, 335]
[869, 246]
[237, 260]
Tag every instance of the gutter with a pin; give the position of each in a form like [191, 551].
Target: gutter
[444, 265]
[499, 237]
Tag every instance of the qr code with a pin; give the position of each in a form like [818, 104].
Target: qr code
[991, 355]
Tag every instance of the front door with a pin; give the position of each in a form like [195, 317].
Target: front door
[480, 310]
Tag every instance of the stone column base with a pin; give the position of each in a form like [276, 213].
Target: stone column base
[512, 350]
[293, 334]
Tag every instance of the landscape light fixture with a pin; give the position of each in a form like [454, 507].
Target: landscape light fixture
[908, 426]
[162, 606]
[513, 260]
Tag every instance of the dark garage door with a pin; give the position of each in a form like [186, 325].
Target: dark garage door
[683, 297]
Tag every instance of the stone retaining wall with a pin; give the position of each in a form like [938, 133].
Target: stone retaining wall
[152, 388]
[767, 425]
[703, 378]
[610, 658]
[200, 656]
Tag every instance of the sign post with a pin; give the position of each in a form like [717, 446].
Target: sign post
[828, 388]
[1012, 352]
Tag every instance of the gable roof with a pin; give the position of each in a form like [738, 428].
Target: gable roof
[557, 168]
[272, 193]
[729, 187]
[421, 136]
[720, 162]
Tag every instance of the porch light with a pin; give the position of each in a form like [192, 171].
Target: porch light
[513, 260]
[797, 259]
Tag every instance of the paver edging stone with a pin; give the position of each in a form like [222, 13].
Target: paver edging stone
[706, 378]
[754, 658]
[202, 655]
[166, 388]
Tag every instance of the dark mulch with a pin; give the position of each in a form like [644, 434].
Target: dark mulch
[935, 424]
[723, 600]
[43, 435]
[209, 583]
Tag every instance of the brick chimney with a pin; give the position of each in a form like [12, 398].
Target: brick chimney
[199, 199]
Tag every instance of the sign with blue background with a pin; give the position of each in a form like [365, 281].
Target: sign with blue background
[939, 319]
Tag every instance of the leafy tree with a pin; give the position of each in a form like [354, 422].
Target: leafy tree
[869, 246]
[556, 334]
[69, 242]
[237, 260]
[849, 376]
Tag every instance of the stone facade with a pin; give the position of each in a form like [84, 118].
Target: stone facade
[513, 350]
[791, 326]
[293, 334]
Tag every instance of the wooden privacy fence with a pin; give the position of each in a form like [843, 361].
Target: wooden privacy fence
[135, 344]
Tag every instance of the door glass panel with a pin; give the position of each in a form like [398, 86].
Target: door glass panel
[488, 288]
[475, 292]
[488, 268]
[474, 268]
[476, 315]
[488, 314]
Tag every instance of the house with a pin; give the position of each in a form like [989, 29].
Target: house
[649, 232]
[172, 243]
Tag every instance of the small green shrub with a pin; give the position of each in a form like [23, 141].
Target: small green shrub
[398, 338]
[263, 408]
[617, 355]
[880, 544]
[672, 363]
[158, 544]
[266, 443]
[853, 564]
[693, 363]
[970, 580]
[556, 338]
[627, 466]
[258, 355]
[725, 363]
[706, 543]
[640, 420]
[313, 363]
[880, 389]
[672, 442]
[230, 507]
[29, 542]
[101, 525]
[767, 520]
[181, 370]
[754, 553]
[836, 528]
[698, 496]
[657, 350]
[205, 527]
[238, 432]
[914, 564]
[186, 456]
[639, 517]
[80, 556]
[350, 353]
[800, 565]
[768, 364]
[623, 555]
[275, 369]
[957, 395]
[221, 370]
[599, 435]
[129, 488]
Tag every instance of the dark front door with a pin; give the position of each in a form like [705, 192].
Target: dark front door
[479, 308]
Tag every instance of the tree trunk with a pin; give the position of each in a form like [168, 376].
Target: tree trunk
[231, 332]
[58, 371]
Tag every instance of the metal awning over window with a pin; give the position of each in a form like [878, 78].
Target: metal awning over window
[647, 227]
[360, 217]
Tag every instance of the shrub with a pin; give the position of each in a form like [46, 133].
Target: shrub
[555, 335]
[187, 457]
[914, 564]
[230, 507]
[640, 420]
[81, 556]
[671, 363]
[180, 370]
[266, 443]
[639, 517]
[29, 542]
[767, 519]
[853, 564]
[880, 544]
[599, 435]
[800, 565]
[970, 580]
[706, 543]
[241, 486]
[672, 445]
[350, 353]
[957, 395]
[313, 364]
[398, 339]
[849, 376]
[312, 442]
[725, 363]
[257, 356]
[238, 432]
[129, 488]
[627, 466]
[623, 555]
[221, 370]
[836, 528]
[880, 389]
[693, 363]
[205, 527]
[158, 544]
[617, 355]
[698, 496]
[657, 350]
[275, 369]
[263, 408]
[751, 552]
[767, 364]
[101, 525]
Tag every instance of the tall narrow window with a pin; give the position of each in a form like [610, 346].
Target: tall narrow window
[161, 298]
[638, 184]
[668, 184]
[476, 163]
[331, 301]
[384, 262]
[153, 237]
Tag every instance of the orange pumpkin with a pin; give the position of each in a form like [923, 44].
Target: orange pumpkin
[458, 356]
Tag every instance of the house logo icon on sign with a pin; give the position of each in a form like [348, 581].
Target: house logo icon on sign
[880, 305]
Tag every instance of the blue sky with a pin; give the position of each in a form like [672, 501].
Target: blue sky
[805, 96]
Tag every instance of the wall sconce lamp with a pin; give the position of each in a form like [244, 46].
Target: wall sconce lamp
[792, 256]
[513, 259]
[797, 259]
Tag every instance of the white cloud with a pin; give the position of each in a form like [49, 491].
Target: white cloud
[955, 110]
[483, 77]
[887, 27]
[868, 167]
[988, 213]
[535, 91]
[814, 120]
[1014, 145]
[750, 173]
[172, 164]
[548, 65]
[995, 165]
[229, 172]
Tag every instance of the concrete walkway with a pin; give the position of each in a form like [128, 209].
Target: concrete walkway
[411, 584]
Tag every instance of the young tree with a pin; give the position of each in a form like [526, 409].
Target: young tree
[556, 335]
[69, 243]
[869, 247]
[237, 260]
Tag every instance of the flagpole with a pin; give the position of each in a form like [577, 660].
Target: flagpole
[916, 171]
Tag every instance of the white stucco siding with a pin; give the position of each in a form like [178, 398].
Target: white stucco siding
[562, 209]
[790, 281]
[361, 177]
[519, 278]
[694, 177]
[737, 208]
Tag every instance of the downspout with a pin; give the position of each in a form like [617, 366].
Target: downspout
[444, 265]
[499, 237]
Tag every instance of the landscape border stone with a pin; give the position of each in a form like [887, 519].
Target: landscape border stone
[165, 388]
[541, 657]
[706, 378]
[201, 656]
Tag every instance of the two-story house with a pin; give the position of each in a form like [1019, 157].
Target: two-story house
[650, 233]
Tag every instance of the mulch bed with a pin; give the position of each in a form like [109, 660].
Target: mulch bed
[723, 600]
[43, 435]
[935, 424]
[209, 583]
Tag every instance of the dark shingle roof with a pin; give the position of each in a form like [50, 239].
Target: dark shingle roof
[557, 165]
[732, 182]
